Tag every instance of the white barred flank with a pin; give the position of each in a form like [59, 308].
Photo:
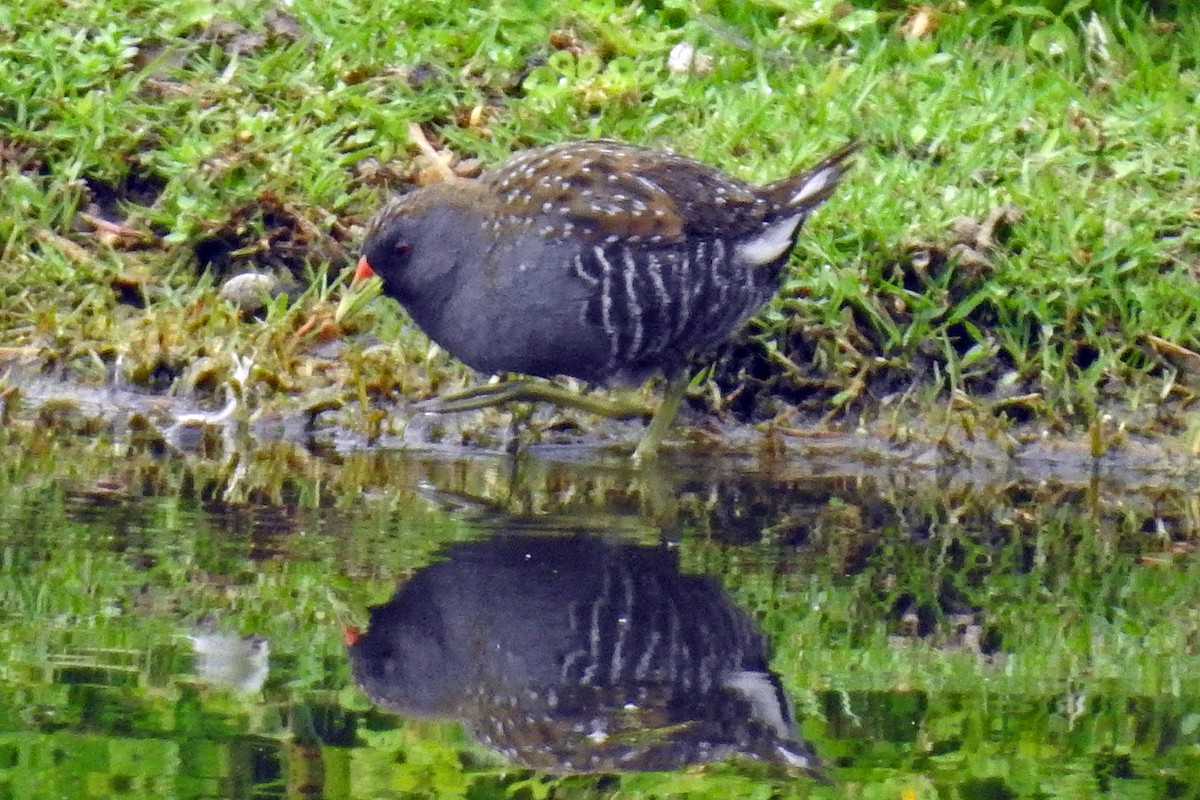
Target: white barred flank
[606, 306]
[633, 298]
[649, 301]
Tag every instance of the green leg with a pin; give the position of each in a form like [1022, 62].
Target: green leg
[647, 448]
[530, 391]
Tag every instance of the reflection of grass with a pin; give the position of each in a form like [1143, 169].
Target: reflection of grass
[149, 150]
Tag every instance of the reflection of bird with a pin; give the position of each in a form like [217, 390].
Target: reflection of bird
[598, 260]
[573, 654]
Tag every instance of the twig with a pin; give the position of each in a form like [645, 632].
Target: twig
[72, 251]
[116, 231]
[440, 162]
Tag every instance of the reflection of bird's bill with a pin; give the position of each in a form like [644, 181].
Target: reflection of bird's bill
[361, 292]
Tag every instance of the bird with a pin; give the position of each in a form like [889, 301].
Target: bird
[599, 260]
[577, 653]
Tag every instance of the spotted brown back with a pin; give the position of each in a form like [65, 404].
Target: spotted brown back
[601, 189]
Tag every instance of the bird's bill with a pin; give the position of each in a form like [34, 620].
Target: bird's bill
[364, 288]
[363, 271]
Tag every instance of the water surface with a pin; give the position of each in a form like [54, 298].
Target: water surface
[177, 627]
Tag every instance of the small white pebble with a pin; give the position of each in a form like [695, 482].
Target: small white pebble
[250, 291]
[686, 59]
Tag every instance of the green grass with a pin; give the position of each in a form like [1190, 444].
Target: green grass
[228, 140]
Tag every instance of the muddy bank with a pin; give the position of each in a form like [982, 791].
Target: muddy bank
[937, 443]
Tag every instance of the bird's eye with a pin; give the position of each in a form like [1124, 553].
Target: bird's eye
[403, 249]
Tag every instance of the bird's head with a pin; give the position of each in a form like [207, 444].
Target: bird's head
[388, 249]
[417, 238]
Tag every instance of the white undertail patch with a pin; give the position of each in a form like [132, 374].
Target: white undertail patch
[765, 702]
[768, 244]
[816, 184]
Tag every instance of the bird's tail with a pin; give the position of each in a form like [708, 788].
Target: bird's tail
[806, 190]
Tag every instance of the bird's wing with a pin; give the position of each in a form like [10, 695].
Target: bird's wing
[601, 189]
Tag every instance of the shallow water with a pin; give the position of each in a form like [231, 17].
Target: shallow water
[177, 627]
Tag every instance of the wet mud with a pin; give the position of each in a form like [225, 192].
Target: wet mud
[327, 425]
